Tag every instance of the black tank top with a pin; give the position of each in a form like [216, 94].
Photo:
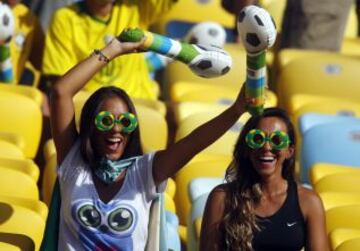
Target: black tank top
[286, 229]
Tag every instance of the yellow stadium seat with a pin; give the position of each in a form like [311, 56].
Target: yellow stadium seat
[17, 184]
[8, 246]
[321, 170]
[197, 224]
[171, 188]
[27, 91]
[351, 47]
[209, 93]
[305, 81]
[215, 168]
[339, 182]
[276, 9]
[13, 138]
[349, 245]
[9, 150]
[36, 74]
[225, 144]
[285, 56]
[19, 220]
[22, 115]
[343, 217]
[37, 206]
[48, 179]
[340, 235]
[82, 96]
[338, 199]
[169, 203]
[49, 149]
[153, 129]
[186, 108]
[183, 12]
[336, 106]
[26, 166]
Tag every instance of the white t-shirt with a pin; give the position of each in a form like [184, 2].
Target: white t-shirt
[86, 223]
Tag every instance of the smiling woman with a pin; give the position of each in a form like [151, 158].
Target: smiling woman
[107, 184]
[261, 207]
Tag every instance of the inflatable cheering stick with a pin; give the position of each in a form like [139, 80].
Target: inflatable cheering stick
[257, 32]
[204, 61]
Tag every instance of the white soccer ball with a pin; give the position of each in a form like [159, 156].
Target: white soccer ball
[207, 33]
[256, 28]
[7, 23]
[211, 62]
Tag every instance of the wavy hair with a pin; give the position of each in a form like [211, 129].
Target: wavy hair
[243, 191]
[87, 126]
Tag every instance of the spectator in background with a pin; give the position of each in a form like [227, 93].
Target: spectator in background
[307, 24]
[27, 44]
[90, 24]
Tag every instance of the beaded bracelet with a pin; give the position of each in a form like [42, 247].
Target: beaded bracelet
[101, 56]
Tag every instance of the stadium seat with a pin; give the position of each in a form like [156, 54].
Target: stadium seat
[339, 182]
[303, 81]
[203, 185]
[26, 166]
[180, 18]
[17, 184]
[171, 188]
[13, 138]
[186, 175]
[336, 143]
[36, 206]
[22, 115]
[9, 246]
[157, 105]
[351, 47]
[19, 220]
[224, 145]
[214, 94]
[320, 170]
[343, 217]
[340, 235]
[9, 150]
[338, 199]
[310, 119]
[27, 91]
[349, 245]
[48, 179]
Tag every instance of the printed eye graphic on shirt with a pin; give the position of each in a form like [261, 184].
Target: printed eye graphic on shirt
[104, 226]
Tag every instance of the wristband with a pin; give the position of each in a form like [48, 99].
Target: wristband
[101, 56]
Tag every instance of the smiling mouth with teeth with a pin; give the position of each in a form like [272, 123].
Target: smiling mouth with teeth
[266, 159]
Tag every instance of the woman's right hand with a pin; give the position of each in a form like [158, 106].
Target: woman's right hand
[242, 102]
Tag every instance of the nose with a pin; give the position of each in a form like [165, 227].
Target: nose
[267, 146]
[117, 127]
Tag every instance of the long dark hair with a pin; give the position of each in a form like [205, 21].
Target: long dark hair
[243, 191]
[87, 126]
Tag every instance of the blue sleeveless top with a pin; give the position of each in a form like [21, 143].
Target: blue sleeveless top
[286, 229]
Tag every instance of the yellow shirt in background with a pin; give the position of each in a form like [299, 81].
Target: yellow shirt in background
[74, 34]
[26, 29]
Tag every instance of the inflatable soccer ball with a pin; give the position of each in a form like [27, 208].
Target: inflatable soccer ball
[7, 23]
[211, 62]
[256, 29]
[207, 33]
